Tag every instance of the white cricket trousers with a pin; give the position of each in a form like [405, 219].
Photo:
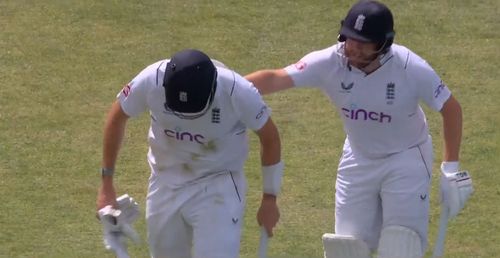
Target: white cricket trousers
[202, 220]
[375, 193]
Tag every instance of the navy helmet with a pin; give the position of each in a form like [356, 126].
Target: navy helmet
[190, 82]
[369, 21]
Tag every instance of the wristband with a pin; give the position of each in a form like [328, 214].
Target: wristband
[107, 171]
[449, 166]
[271, 178]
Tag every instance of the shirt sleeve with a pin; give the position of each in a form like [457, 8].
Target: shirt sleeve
[430, 88]
[133, 97]
[309, 71]
[248, 104]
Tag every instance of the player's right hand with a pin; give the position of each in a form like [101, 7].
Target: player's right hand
[117, 228]
[105, 196]
[116, 223]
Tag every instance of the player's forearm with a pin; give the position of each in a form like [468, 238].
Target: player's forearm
[452, 129]
[270, 144]
[112, 142]
[114, 131]
[269, 81]
[272, 166]
[270, 153]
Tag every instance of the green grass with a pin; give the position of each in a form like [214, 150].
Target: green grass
[63, 61]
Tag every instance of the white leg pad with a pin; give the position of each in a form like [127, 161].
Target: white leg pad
[339, 246]
[399, 242]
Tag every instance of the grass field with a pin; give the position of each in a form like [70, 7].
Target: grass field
[63, 61]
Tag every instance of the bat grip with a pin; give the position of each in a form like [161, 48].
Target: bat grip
[443, 225]
[263, 243]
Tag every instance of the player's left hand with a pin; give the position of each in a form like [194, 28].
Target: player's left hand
[268, 214]
[456, 187]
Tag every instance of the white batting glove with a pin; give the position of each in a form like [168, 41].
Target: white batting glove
[117, 225]
[456, 187]
[129, 208]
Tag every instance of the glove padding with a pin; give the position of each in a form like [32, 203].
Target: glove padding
[456, 188]
[117, 225]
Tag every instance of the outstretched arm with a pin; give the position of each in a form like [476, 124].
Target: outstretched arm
[269, 81]
[114, 130]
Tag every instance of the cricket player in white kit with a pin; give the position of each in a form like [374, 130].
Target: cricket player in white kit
[384, 175]
[200, 114]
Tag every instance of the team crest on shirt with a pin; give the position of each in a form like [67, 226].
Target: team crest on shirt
[390, 93]
[215, 115]
[346, 87]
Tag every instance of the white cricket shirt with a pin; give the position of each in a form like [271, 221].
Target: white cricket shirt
[189, 150]
[380, 111]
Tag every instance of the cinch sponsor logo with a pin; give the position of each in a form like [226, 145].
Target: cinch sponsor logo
[184, 136]
[361, 114]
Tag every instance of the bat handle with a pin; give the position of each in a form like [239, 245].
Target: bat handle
[440, 241]
[263, 243]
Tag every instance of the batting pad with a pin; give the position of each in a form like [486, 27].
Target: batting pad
[399, 242]
[338, 246]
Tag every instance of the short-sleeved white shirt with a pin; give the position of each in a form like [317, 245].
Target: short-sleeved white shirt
[381, 110]
[188, 150]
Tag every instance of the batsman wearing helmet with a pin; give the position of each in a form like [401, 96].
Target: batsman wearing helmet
[384, 175]
[200, 112]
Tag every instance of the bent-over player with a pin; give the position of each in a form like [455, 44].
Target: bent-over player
[200, 114]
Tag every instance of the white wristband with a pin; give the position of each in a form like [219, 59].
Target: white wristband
[449, 166]
[271, 178]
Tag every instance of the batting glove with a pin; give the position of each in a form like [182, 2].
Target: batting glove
[456, 187]
[129, 208]
[117, 225]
